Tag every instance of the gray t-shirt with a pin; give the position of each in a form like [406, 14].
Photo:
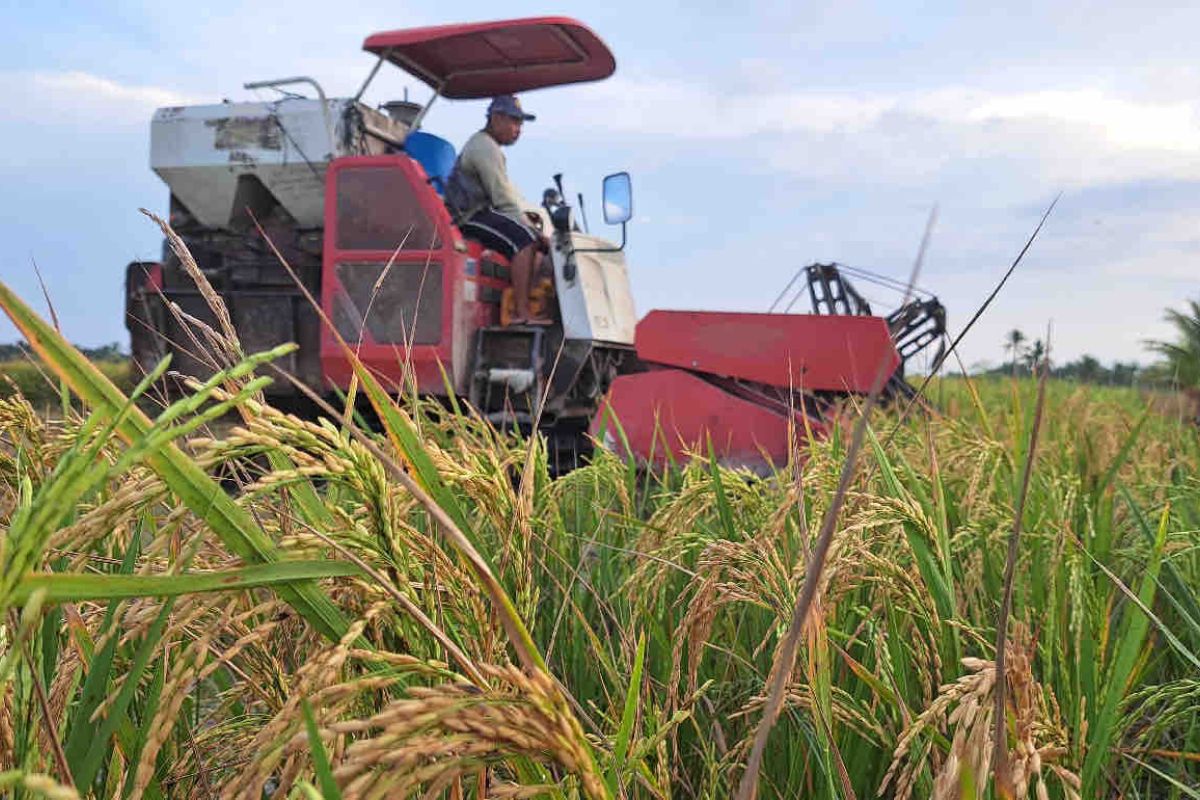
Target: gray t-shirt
[480, 180]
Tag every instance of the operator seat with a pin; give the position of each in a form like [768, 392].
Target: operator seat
[434, 154]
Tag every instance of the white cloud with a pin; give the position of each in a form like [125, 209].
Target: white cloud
[85, 87]
[58, 97]
[700, 111]
[1125, 124]
[1068, 137]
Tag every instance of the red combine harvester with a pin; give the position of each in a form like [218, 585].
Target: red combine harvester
[350, 195]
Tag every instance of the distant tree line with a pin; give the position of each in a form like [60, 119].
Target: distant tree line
[17, 351]
[1179, 367]
[1085, 369]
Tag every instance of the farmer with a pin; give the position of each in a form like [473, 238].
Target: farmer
[489, 209]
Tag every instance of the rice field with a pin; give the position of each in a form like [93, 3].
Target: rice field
[36, 384]
[306, 609]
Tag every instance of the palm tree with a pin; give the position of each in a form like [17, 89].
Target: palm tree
[1035, 354]
[1183, 355]
[1012, 342]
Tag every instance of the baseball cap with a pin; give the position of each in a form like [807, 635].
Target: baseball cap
[508, 104]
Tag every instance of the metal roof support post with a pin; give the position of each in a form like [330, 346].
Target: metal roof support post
[420, 117]
[371, 76]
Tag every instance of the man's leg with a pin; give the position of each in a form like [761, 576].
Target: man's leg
[508, 236]
[522, 266]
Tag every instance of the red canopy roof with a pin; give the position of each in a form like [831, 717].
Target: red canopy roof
[484, 59]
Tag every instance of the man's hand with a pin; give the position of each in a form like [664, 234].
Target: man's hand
[535, 221]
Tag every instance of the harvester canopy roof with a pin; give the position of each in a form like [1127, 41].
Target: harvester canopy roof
[485, 59]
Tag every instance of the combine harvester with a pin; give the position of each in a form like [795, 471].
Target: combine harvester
[351, 197]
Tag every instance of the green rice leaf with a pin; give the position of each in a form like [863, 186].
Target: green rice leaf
[628, 716]
[329, 787]
[99, 674]
[1183, 788]
[1130, 639]
[73, 587]
[115, 715]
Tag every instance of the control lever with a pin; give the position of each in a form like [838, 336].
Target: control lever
[582, 213]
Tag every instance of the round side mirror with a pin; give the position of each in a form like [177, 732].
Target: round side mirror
[618, 199]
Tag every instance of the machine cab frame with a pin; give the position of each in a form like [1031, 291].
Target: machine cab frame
[399, 281]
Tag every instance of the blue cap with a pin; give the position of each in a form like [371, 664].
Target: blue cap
[509, 105]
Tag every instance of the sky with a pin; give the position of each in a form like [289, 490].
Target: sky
[760, 137]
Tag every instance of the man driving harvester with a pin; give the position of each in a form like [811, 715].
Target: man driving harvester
[489, 209]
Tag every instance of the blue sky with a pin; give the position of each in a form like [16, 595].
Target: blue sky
[760, 136]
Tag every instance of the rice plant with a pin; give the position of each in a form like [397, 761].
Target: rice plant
[284, 607]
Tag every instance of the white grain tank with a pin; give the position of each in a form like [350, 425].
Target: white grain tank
[202, 151]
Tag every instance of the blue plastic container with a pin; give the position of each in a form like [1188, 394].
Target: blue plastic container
[434, 154]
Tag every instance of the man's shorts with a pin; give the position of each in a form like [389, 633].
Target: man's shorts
[499, 232]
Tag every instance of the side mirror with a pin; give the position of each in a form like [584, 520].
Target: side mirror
[618, 199]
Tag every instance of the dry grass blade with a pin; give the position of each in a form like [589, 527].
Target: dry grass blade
[953, 348]
[46, 295]
[785, 656]
[206, 290]
[1000, 749]
[375, 289]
